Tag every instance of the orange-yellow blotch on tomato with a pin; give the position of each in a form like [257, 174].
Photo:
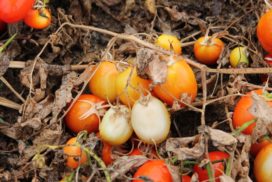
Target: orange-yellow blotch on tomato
[75, 155]
[264, 31]
[130, 86]
[207, 49]
[103, 82]
[169, 42]
[38, 18]
[83, 115]
[180, 80]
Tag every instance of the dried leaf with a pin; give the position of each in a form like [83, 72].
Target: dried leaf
[4, 63]
[150, 5]
[111, 2]
[126, 163]
[263, 112]
[179, 146]
[220, 137]
[174, 171]
[225, 178]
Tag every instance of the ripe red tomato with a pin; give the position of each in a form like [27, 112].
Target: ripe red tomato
[263, 165]
[107, 153]
[259, 145]
[79, 118]
[207, 50]
[217, 167]
[185, 178]
[38, 18]
[264, 31]
[180, 80]
[75, 154]
[12, 11]
[154, 170]
[241, 115]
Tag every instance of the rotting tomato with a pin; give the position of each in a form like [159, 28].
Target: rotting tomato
[259, 145]
[153, 170]
[75, 154]
[12, 11]
[107, 153]
[103, 81]
[130, 86]
[169, 42]
[185, 178]
[218, 167]
[264, 31]
[241, 114]
[84, 114]
[208, 49]
[38, 18]
[180, 80]
[263, 165]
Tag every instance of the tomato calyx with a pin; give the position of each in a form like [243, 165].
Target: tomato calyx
[41, 13]
[208, 41]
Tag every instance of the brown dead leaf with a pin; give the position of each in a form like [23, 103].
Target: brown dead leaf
[111, 2]
[126, 163]
[179, 146]
[174, 171]
[4, 63]
[150, 5]
[263, 112]
[225, 178]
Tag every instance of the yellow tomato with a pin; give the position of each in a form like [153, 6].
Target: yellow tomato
[238, 56]
[169, 42]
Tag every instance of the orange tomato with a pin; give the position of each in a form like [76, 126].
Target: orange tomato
[38, 18]
[185, 178]
[217, 167]
[154, 170]
[169, 42]
[207, 49]
[137, 151]
[180, 80]
[81, 116]
[263, 165]
[241, 115]
[264, 31]
[130, 86]
[75, 154]
[107, 153]
[259, 145]
[103, 81]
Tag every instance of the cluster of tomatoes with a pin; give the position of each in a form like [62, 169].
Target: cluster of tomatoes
[12, 11]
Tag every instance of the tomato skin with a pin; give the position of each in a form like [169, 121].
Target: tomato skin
[127, 92]
[169, 42]
[38, 18]
[217, 167]
[75, 155]
[155, 170]
[84, 104]
[107, 153]
[241, 114]
[185, 178]
[207, 50]
[264, 31]
[103, 82]
[259, 145]
[263, 165]
[180, 80]
[13, 11]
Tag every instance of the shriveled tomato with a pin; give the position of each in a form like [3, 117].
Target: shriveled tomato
[107, 153]
[169, 42]
[103, 81]
[259, 145]
[84, 114]
[130, 86]
[153, 170]
[264, 31]
[75, 154]
[12, 11]
[263, 165]
[185, 178]
[241, 114]
[38, 18]
[208, 49]
[180, 80]
[218, 167]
